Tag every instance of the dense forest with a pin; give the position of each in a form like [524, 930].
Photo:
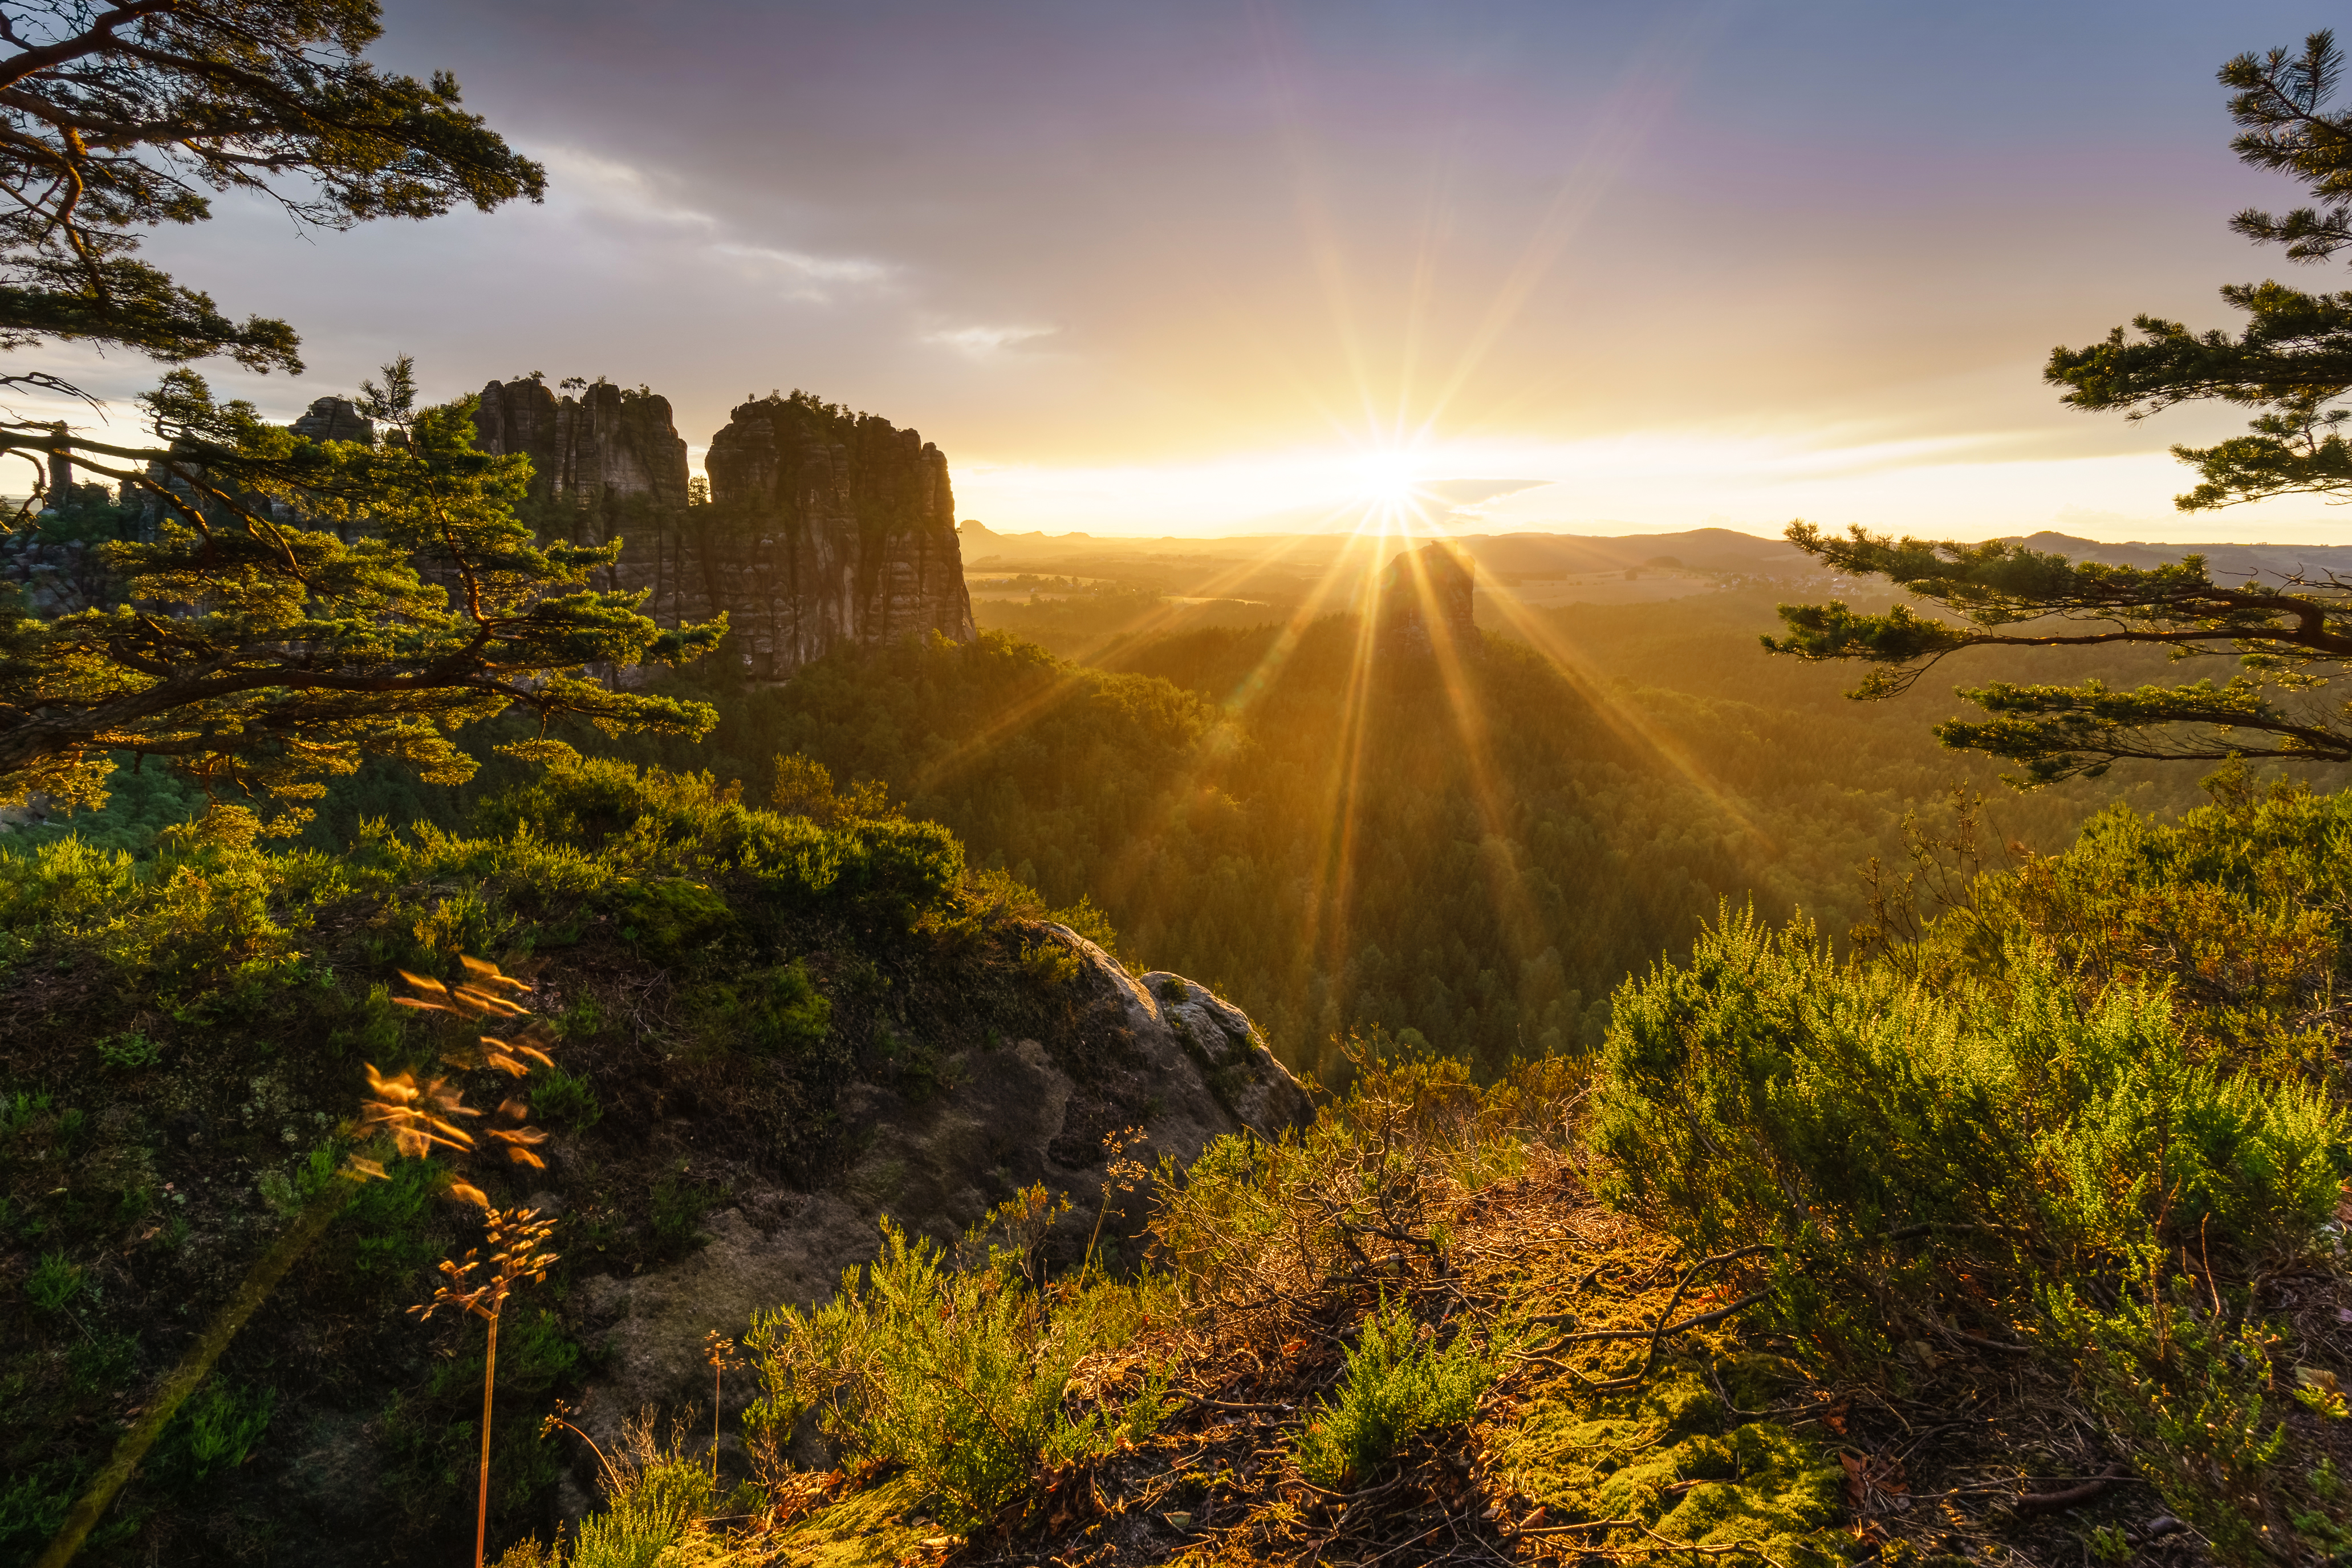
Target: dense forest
[1347, 843]
[1941, 1268]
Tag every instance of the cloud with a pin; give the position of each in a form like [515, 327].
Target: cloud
[607, 188]
[979, 340]
[807, 277]
[615, 189]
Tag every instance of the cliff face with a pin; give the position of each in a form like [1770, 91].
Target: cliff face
[604, 443]
[836, 529]
[824, 528]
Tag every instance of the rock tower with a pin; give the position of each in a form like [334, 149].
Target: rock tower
[1425, 602]
[824, 528]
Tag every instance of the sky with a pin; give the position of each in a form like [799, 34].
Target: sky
[1237, 265]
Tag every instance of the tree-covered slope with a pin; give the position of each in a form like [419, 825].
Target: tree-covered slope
[744, 1008]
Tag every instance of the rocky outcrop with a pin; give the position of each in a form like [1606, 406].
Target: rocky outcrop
[608, 443]
[335, 419]
[57, 577]
[1425, 602]
[1161, 1053]
[823, 528]
[830, 528]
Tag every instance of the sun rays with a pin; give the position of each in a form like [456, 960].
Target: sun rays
[1364, 507]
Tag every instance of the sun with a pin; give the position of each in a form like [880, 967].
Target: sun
[1384, 480]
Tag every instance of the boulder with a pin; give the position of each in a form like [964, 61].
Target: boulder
[1159, 1053]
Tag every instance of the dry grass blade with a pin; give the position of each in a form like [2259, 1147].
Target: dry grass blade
[417, 1116]
[517, 1239]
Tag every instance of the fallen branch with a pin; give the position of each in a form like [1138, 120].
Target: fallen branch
[2091, 1490]
[1208, 1404]
[1700, 1321]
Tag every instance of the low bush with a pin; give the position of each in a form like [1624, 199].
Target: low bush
[218, 1427]
[774, 1011]
[1398, 1383]
[1767, 1092]
[956, 1373]
[2056, 1145]
[568, 1100]
[655, 1499]
[2186, 1390]
[54, 1282]
[129, 1051]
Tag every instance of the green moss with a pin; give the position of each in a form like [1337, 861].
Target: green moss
[774, 1011]
[1588, 1458]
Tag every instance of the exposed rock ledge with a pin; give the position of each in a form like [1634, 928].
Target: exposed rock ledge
[1013, 1116]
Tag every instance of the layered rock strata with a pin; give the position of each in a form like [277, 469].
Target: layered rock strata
[830, 528]
[823, 528]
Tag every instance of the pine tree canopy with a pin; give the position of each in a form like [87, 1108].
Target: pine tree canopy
[301, 604]
[263, 657]
[124, 117]
[2293, 363]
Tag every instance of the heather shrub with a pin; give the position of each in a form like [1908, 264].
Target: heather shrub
[954, 1367]
[1768, 1091]
[1398, 1382]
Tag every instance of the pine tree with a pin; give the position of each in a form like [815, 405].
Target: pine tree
[256, 651]
[2293, 363]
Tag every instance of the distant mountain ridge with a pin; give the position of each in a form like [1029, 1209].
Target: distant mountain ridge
[1532, 554]
[2272, 562]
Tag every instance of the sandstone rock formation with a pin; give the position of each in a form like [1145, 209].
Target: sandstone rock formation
[57, 577]
[1425, 602]
[604, 445]
[1161, 1052]
[335, 419]
[824, 528]
[843, 530]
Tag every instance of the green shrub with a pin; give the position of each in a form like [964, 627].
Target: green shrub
[289, 1191]
[33, 1504]
[775, 1011]
[390, 1221]
[129, 1051]
[54, 1282]
[568, 1098]
[677, 1208]
[653, 1500]
[957, 1374]
[20, 1110]
[663, 914]
[1049, 964]
[1398, 1382]
[218, 1428]
[2186, 1390]
[1861, 1105]
[650, 824]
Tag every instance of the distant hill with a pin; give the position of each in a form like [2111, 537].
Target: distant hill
[2274, 562]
